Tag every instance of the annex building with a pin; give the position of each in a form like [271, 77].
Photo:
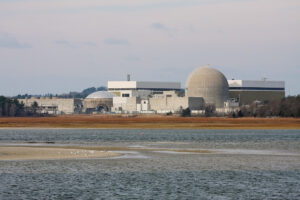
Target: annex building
[248, 91]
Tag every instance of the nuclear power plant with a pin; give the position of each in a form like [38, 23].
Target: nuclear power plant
[204, 87]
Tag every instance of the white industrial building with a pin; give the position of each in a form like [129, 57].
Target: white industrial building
[140, 88]
[204, 86]
[149, 97]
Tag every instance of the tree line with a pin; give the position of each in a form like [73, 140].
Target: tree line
[11, 107]
[286, 107]
[84, 93]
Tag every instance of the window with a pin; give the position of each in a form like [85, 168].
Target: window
[125, 95]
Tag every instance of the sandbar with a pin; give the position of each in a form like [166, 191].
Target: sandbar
[49, 153]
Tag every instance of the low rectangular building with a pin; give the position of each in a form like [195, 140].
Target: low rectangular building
[167, 102]
[248, 91]
[54, 105]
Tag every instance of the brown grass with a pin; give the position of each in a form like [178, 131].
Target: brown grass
[148, 122]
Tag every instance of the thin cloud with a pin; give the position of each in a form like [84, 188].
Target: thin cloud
[132, 58]
[114, 41]
[90, 44]
[64, 43]
[16, 7]
[8, 41]
[159, 26]
[75, 44]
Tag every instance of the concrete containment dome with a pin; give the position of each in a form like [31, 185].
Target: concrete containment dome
[208, 83]
[101, 95]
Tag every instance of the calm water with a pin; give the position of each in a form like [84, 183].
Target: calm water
[250, 164]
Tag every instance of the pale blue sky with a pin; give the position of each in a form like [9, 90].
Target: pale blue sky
[56, 46]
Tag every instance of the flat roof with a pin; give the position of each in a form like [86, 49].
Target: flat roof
[147, 85]
[256, 85]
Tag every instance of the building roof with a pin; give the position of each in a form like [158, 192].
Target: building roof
[101, 95]
[143, 85]
[256, 85]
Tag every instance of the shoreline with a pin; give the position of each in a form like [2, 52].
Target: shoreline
[146, 122]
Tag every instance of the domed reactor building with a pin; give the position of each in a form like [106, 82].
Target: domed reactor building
[98, 102]
[210, 84]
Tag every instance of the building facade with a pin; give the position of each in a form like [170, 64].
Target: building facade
[248, 91]
[53, 105]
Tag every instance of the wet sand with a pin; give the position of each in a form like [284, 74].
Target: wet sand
[79, 152]
[49, 153]
[85, 152]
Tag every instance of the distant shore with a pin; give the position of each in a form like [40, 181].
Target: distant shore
[148, 122]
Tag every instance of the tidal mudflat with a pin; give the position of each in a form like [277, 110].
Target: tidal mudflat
[151, 164]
